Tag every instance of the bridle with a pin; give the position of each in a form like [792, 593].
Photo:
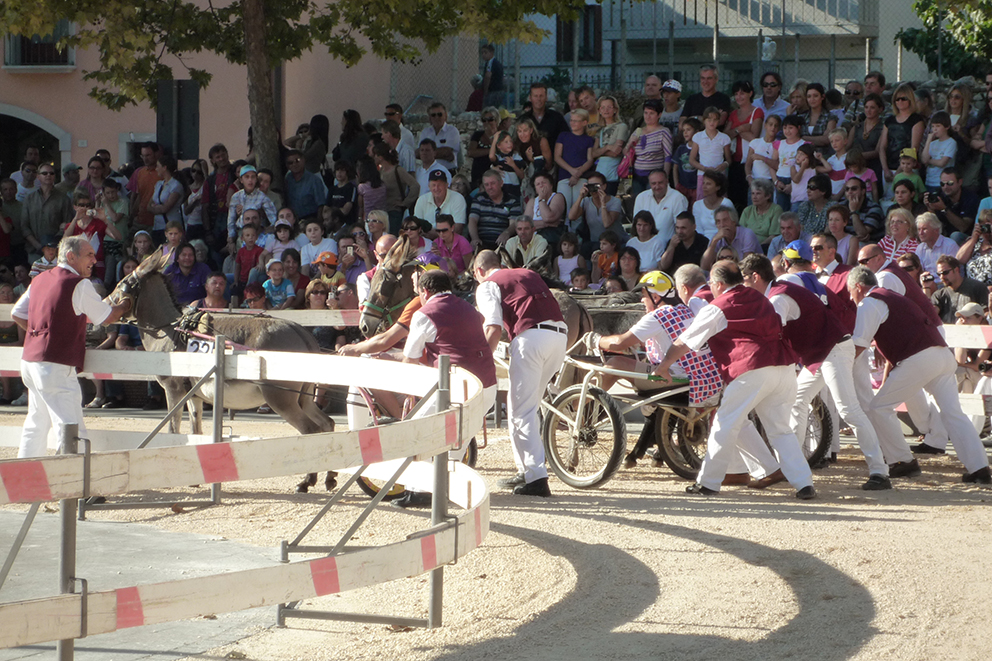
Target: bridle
[385, 314]
[128, 289]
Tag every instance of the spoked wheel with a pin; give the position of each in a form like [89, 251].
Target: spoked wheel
[587, 454]
[819, 429]
[683, 444]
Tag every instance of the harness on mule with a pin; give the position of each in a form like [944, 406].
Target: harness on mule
[386, 318]
[196, 324]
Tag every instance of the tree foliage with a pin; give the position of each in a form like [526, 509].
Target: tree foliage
[965, 34]
[141, 41]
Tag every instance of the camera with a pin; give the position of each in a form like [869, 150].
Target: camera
[927, 278]
[985, 228]
[984, 367]
[592, 188]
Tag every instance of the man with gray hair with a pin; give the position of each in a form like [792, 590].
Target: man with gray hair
[921, 360]
[790, 229]
[933, 244]
[690, 284]
[707, 96]
[53, 313]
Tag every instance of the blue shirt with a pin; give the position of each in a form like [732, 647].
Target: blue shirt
[305, 196]
[278, 294]
[188, 288]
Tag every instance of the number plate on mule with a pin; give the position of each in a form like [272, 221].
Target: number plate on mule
[197, 345]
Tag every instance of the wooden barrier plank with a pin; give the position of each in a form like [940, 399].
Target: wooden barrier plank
[302, 317]
[969, 337]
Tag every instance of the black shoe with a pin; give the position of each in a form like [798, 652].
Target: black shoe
[905, 469]
[700, 490]
[832, 458]
[512, 482]
[153, 405]
[806, 493]
[983, 476]
[412, 499]
[535, 488]
[923, 448]
[877, 482]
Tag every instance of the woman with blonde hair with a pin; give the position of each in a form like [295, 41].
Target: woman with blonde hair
[375, 224]
[902, 129]
[900, 233]
[610, 140]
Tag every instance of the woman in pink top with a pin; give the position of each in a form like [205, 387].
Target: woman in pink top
[453, 247]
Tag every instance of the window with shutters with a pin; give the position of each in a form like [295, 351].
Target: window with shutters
[40, 52]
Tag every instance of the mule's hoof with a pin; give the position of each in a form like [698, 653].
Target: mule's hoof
[330, 484]
[302, 487]
[629, 462]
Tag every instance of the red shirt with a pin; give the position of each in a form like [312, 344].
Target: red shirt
[246, 260]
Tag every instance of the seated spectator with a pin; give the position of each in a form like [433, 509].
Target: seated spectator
[956, 207]
[489, 219]
[790, 230]
[663, 202]
[630, 268]
[865, 219]
[975, 254]
[254, 296]
[911, 264]
[568, 259]
[812, 212]
[900, 234]
[440, 200]
[214, 298]
[187, 276]
[86, 223]
[371, 189]
[957, 290]
[451, 246]
[429, 163]
[606, 260]
[547, 208]
[279, 292]
[580, 280]
[594, 212]
[647, 241]
[761, 217]
[904, 195]
[354, 257]
[49, 257]
[316, 244]
[710, 197]
[414, 229]
[838, 218]
[741, 239]
[686, 247]
[526, 246]
[614, 285]
[291, 268]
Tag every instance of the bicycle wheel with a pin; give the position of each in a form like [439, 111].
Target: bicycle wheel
[588, 455]
[682, 445]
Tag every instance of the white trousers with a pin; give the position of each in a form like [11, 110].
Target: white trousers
[55, 400]
[933, 370]
[984, 388]
[535, 356]
[770, 392]
[755, 457]
[488, 399]
[837, 373]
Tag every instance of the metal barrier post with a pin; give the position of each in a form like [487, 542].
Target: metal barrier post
[67, 548]
[439, 504]
[220, 345]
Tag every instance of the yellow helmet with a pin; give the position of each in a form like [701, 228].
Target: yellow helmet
[657, 282]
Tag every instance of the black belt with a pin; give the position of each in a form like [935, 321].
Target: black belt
[844, 339]
[551, 327]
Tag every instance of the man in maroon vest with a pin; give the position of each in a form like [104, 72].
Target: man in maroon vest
[833, 275]
[447, 325]
[53, 313]
[922, 360]
[690, 283]
[827, 354]
[518, 300]
[745, 337]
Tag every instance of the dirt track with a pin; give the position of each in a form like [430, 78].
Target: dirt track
[638, 569]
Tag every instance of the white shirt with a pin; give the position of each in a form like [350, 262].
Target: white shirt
[448, 136]
[489, 300]
[663, 211]
[422, 331]
[406, 138]
[871, 314]
[453, 205]
[23, 192]
[650, 250]
[760, 169]
[649, 328]
[785, 305]
[363, 285]
[929, 256]
[889, 280]
[779, 108]
[695, 303]
[85, 300]
[709, 321]
[705, 222]
[407, 156]
[310, 252]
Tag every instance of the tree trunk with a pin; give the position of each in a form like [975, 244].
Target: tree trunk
[261, 104]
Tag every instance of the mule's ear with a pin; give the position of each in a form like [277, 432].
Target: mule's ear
[150, 264]
[396, 255]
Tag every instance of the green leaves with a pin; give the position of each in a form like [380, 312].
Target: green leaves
[965, 29]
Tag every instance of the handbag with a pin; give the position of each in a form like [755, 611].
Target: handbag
[626, 167]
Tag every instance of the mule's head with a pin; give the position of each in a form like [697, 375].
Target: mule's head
[390, 290]
[130, 285]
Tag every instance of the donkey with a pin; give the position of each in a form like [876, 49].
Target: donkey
[156, 313]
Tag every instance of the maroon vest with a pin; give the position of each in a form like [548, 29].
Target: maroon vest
[753, 337]
[915, 293]
[526, 300]
[460, 335]
[704, 293]
[906, 331]
[841, 303]
[816, 331]
[56, 334]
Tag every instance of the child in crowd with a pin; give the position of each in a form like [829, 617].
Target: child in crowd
[316, 245]
[940, 150]
[279, 292]
[580, 279]
[606, 260]
[802, 171]
[342, 193]
[858, 167]
[568, 258]
[710, 147]
[280, 240]
[909, 169]
[246, 258]
[687, 178]
[174, 233]
[573, 154]
[49, 258]
[327, 262]
[760, 163]
[785, 156]
[835, 166]
[833, 101]
[255, 298]
[501, 156]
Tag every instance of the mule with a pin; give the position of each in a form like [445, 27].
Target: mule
[157, 315]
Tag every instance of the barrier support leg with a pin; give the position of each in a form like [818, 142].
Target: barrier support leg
[218, 413]
[67, 549]
[18, 541]
[439, 504]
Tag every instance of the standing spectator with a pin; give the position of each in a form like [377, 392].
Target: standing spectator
[818, 122]
[402, 189]
[958, 290]
[353, 141]
[835, 166]
[609, 142]
[785, 155]
[903, 129]
[519, 301]
[759, 161]
[652, 92]
[305, 191]
[596, 211]
[32, 155]
[853, 93]
[86, 224]
[663, 202]
[587, 101]
[44, 212]
[491, 219]
[28, 183]
[549, 121]
[763, 214]
[13, 210]
[251, 197]
[342, 193]
[866, 133]
[94, 178]
[652, 145]
[671, 112]
[960, 113]
[857, 166]
[797, 99]
[492, 77]
[406, 156]
[707, 97]
[444, 135]
[933, 244]
[394, 112]
[573, 155]
[371, 190]
[713, 190]
[219, 187]
[246, 259]
[481, 141]
[909, 172]
[900, 234]
[193, 206]
[142, 185]
[743, 126]
[710, 147]
[729, 235]
[939, 151]
[47, 261]
[685, 176]
[771, 101]
[70, 179]
[315, 149]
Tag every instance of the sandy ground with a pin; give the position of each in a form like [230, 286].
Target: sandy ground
[638, 569]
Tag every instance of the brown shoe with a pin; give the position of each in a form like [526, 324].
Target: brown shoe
[736, 479]
[767, 481]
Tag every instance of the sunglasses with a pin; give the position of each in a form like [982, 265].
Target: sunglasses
[443, 230]
[249, 301]
[359, 234]
[816, 248]
[769, 84]
[909, 268]
[902, 98]
[391, 113]
[943, 273]
[318, 293]
[294, 161]
[489, 119]
[852, 93]
[437, 114]
[411, 228]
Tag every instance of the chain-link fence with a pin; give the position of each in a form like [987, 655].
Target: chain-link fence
[615, 45]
